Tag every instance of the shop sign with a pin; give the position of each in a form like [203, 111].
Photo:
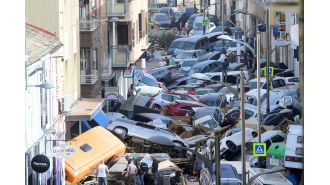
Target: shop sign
[40, 163]
[63, 151]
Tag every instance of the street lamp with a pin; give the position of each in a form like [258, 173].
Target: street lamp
[43, 85]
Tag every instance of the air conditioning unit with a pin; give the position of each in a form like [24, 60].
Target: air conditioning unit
[65, 104]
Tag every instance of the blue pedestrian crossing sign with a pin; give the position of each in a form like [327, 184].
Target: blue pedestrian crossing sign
[259, 149]
[270, 71]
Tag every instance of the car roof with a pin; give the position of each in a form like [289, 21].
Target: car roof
[254, 92]
[201, 64]
[211, 95]
[189, 102]
[161, 14]
[192, 38]
[227, 171]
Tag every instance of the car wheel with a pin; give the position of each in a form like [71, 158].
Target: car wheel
[121, 132]
[157, 107]
[231, 145]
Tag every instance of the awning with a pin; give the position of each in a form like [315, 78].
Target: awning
[85, 109]
[101, 119]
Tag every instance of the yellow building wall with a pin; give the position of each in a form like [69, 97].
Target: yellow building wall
[43, 14]
[60, 17]
[69, 36]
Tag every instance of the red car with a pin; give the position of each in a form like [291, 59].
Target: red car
[180, 107]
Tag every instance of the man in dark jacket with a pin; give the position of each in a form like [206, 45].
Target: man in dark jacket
[154, 169]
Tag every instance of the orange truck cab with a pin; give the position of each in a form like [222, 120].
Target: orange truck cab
[92, 147]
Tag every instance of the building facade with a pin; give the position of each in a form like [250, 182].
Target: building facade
[52, 58]
[93, 46]
[128, 38]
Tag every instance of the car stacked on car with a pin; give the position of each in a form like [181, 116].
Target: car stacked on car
[184, 103]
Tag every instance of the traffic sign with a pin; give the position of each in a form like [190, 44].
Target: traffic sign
[259, 149]
[205, 21]
[270, 71]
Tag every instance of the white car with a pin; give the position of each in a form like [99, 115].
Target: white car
[292, 82]
[198, 26]
[230, 144]
[161, 100]
[275, 83]
[148, 90]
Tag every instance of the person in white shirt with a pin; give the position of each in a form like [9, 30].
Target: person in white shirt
[162, 63]
[132, 171]
[209, 150]
[102, 172]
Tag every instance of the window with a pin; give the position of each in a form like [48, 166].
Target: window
[120, 1]
[277, 139]
[186, 107]
[299, 151]
[149, 81]
[248, 114]
[278, 83]
[167, 97]
[300, 139]
[295, 79]
[122, 38]
[268, 143]
[216, 78]
[185, 97]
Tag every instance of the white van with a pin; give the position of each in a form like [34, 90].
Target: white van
[266, 179]
[294, 147]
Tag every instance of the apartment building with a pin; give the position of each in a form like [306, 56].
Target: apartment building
[128, 38]
[94, 62]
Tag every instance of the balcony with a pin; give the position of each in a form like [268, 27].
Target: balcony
[118, 8]
[120, 55]
[88, 25]
[89, 79]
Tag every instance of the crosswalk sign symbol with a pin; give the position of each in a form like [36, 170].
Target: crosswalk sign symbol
[259, 149]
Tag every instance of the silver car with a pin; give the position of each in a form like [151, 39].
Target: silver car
[128, 128]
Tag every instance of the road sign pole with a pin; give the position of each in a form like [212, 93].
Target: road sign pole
[217, 160]
[243, 130]
[204, 2]
[258, 88]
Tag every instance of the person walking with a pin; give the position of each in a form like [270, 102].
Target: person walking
[154, 169]
[140, 174]
[172, 60]
[101, 173]
[209, 150]
[167, 61]
[198, 166]
[225, 66]
[162, 63]
[132, 171]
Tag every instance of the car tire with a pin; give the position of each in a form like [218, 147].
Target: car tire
[231, 145]
[157, 107]
[121, 132]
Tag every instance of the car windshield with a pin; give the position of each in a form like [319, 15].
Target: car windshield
[209, 101]
[194, 70]
[182, 45]
[191, 19]
[253, 85]
[184, 55]
[149, 81]
[162, 17]
[224, 90]
[198, 26]
[188, 63]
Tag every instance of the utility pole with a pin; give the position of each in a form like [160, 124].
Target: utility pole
[222, 15]
[204, 7]
[258, 88]
[217, 160]
[244, 28]
[243, 130]
[268, 56]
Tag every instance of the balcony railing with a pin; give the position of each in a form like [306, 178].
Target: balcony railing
[118, 8]
[120, 55]
[88, 25]
[90, 78]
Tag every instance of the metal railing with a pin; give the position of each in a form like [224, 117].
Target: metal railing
[88, 25]
[90, 78]
[120, 55]
[118, 8]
